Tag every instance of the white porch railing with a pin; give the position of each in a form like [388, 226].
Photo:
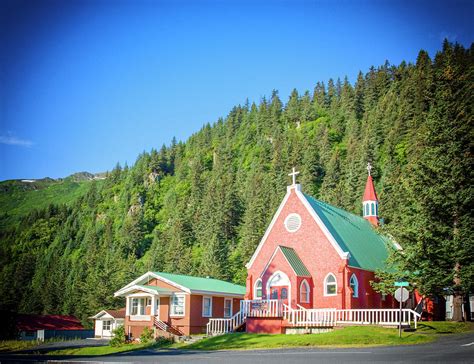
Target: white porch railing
[333, 317]
[219, 326]
[311, 317]
[262, 308]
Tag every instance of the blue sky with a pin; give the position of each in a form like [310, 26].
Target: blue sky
[85, 84]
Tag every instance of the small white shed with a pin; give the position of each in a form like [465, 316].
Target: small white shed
[106, 321]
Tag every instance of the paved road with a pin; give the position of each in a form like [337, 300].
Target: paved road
[449, 349]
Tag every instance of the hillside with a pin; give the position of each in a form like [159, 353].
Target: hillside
[20, 197]
[200, 207]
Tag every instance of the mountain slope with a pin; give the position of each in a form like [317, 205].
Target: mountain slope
[200, 207]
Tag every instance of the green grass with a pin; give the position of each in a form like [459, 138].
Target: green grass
[352, 336]
[106, 350]
[18, 198]
[13, 345]
[100, 350]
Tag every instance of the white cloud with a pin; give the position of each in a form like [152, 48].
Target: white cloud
[13, 140]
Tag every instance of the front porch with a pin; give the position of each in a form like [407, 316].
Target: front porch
[274, 316]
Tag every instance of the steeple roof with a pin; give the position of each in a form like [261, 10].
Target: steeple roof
[369, 193]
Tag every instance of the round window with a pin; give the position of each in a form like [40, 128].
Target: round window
[293, 222]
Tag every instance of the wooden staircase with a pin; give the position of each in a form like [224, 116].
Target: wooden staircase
[167, 328]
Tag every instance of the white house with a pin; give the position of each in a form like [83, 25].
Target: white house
[106, 321]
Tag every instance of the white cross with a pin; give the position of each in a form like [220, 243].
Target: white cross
[293, 174]
[369, 167]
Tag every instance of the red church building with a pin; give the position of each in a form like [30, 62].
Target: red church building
[315, 255]
[313, 268]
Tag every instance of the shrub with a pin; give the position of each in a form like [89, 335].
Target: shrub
[119, 337]
[146, 336]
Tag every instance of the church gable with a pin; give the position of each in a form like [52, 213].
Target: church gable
[296, 226]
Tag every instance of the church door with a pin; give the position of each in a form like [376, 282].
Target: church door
[279, 287]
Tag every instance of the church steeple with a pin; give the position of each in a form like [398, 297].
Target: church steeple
[370, 202]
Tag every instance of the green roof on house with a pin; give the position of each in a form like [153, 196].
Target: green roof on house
[295, 261]
[354, 234]
[203, 284]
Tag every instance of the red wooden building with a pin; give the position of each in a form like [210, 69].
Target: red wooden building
[175, 304]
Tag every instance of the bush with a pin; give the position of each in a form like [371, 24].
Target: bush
[146, 336]
[119, 337]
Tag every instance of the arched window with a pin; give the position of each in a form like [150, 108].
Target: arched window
[355, 286]
[258, 288]
[284, 293]
[373, 208]
[376, 209]
[366, 209]
[304, 292]
[330, 285]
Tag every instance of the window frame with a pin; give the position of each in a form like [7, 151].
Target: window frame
[230, 307]
[355, 291]
[140, 306]
[307, 299]
[255, 289]
[204, 299]
[177, 296]
[107, 323]
[326, 284]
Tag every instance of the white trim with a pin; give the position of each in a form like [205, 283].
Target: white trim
[231, 307]
[270, 227]
[218, 294]
[101, 314]
[308, 291]
[255, 289]
[325, 285]
[355, 293]
[171, 314]
[326, 232]
[147, 275]
[268, 287]
[300, 195]
[210, 306]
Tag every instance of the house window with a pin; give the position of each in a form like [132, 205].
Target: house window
[304, 292]
[258, 288]
[274, 294]
[284, 293]
[354, 286]
[227, 307]
[138, 306]
[177, 305]
[373, 208]
[366, 209]
[206, 306]
[106, 325]
[330, 285]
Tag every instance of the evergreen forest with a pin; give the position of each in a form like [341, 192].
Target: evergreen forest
[201, 206]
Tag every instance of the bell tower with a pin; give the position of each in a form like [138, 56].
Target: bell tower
[370, 202]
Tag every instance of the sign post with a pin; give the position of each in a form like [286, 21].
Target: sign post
[401, 295]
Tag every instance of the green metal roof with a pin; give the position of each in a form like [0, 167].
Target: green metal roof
[354, 234]
[295, 262]
[203, 284]
[158, 290]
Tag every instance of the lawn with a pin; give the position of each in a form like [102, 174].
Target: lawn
[101, 350]
[352, 336]
[13, 345]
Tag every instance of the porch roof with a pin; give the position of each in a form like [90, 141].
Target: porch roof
[159, 290]
[144, 288]
[294, 261]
